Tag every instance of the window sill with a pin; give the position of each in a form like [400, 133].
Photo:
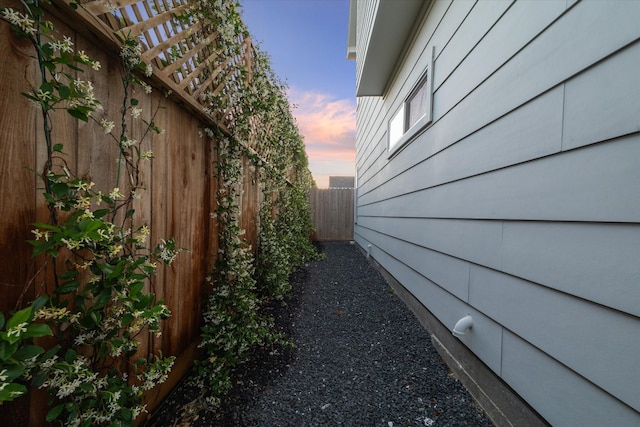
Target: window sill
[409, 136]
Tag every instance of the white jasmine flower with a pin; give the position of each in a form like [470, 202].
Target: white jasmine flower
[116, 194]
[71, 244]
[83, 57]
[107, 125]
[126, 143]
[18, 329]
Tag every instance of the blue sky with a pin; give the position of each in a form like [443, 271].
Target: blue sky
[307, 43]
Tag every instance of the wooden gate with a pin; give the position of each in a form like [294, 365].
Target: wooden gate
[332, 213]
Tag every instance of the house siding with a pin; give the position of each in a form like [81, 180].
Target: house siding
[520, 204]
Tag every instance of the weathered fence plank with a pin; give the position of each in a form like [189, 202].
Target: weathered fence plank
[332, 213]
[16, 202]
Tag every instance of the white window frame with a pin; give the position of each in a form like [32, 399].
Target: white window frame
[398, 131]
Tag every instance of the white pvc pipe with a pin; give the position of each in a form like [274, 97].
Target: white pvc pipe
[463, 325]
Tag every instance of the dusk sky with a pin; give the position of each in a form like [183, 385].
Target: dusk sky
[307, 43]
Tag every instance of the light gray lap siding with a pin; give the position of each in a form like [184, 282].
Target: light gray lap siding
[520, 204]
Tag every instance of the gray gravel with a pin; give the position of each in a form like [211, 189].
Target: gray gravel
[361, 359]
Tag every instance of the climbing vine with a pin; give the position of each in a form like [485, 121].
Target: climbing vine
[262, 130]
[233, 323]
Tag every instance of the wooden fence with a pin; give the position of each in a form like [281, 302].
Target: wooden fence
[332, 213]
[180, 182]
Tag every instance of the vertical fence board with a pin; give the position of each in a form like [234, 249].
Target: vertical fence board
[332, 213]
[175, 197]
[17, 209]
[157, 192]
[249, 204]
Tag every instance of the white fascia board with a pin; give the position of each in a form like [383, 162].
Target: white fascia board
[351, 37]
[393, 22]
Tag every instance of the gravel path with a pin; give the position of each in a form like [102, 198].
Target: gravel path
[361, 359]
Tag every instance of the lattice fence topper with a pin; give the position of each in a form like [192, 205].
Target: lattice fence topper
[190, 55]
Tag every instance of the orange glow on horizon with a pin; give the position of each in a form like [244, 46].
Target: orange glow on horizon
[328, 126]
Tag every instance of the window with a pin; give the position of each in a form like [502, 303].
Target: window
[413, 115]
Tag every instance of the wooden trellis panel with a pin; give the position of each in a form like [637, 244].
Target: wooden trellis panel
[182, 51]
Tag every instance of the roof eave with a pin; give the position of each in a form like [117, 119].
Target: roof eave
[392, 26]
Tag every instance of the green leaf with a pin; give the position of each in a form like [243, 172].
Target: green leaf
[68, 287]
[71, 274]
[55, 412]
[116, 271]
[12, 391]
[103, 299]
[47, 50]
[60, 189]
[70, 356]
[50, 66]
[91, 320]
[27, 352]
[104, 350]
[58, 148]
[100, 213]
[94, 225]
[136, 288]
[78, 114]
[64, 91]
[40, 302]
[1, 320]
[7, 349]
[139, 276]
[38, 379]
[105, 268]
[31, 97]
[144, 301]
[48, 198]
[130, 213]
[73, 67]
[37, 330]
[13, 371]
[51, 352]
[87, 387]
[134, 102]
[127, 416]
[46, 87]
[46, 226]
[19, 317]
[39, 248]
[127, 319]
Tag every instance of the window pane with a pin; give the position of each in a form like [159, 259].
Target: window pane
[396, 127]
[417, 104]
